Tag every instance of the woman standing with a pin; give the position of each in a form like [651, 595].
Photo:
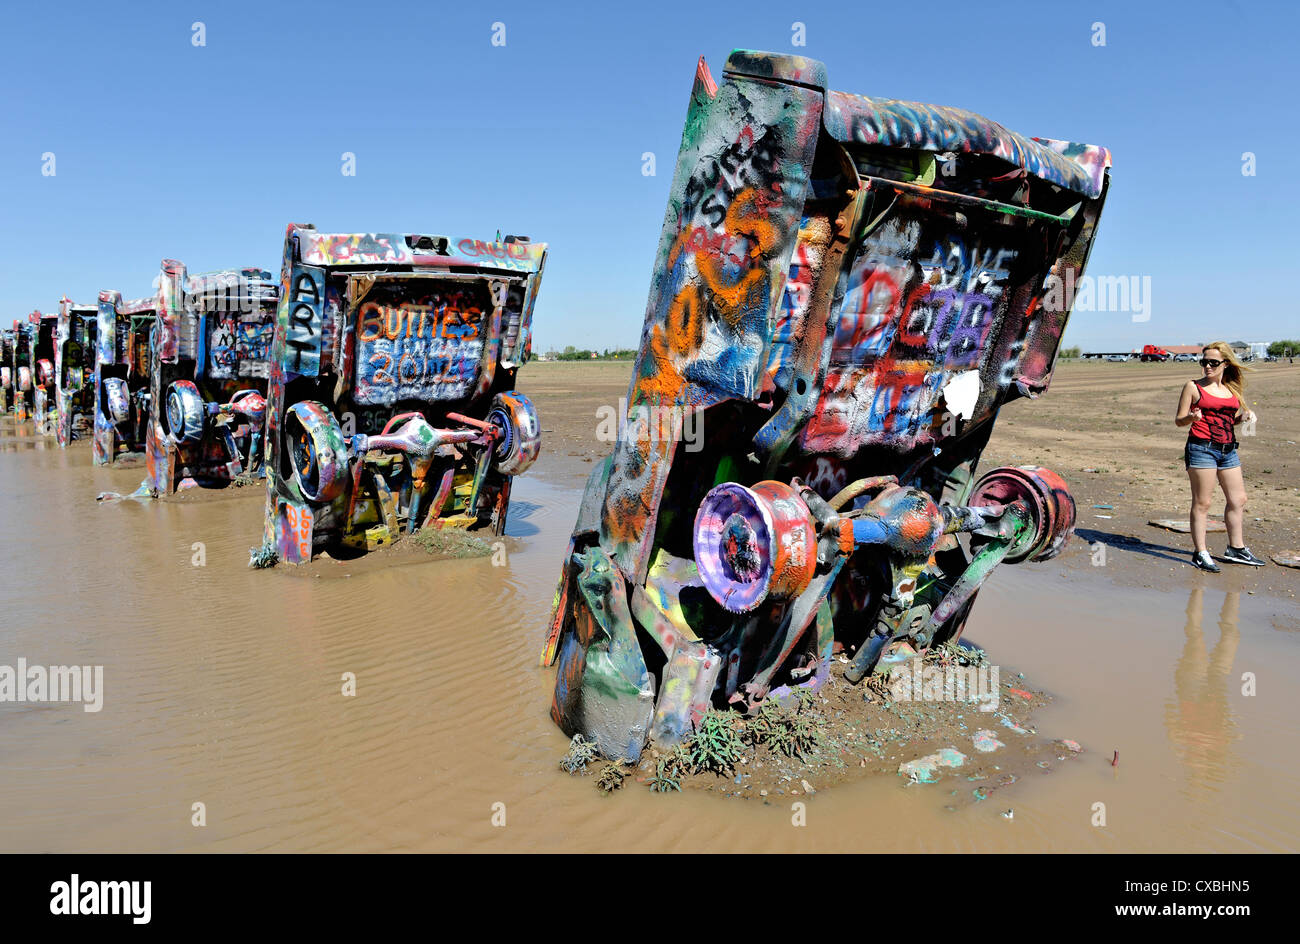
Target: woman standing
[1213, 406]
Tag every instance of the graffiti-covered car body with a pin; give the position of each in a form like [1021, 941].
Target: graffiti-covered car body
[209, 369]
[27, 370]
[847, 291]
[74, 368]
[123, 336]
[7, 345]
[44, 372]
[392, 402]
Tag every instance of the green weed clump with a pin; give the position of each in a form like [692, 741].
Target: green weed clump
[670, 769]
[611, 777]
[581, 752]
[263, 557]
[716, 745]
[952, 653]
[788, 731]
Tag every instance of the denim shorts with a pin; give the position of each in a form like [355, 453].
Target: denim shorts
[1201, 455]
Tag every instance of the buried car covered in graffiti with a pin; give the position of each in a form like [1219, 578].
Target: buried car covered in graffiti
[847, 291]
[121, 378]
[7, 342]
[392, 401]
[74, 367]
[43, 332]
[16, 369]
[28, 372]
[208, 374]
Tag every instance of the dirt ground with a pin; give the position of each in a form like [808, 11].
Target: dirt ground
[1106, 428]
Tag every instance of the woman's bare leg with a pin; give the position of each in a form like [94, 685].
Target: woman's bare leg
[1202, 495]
[1234, 511]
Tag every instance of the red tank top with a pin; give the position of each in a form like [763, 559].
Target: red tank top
[1217, 416]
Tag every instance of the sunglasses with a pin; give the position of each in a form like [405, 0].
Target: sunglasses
[1207, 362]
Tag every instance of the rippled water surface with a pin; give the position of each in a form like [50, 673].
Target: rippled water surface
[223, 686]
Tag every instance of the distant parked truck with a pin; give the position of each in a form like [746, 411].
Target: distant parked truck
[208, 374]
[121, 376]
[74, 369]
[392, 401]
[1152, 353]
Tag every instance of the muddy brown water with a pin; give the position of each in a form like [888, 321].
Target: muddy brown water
[222, 686]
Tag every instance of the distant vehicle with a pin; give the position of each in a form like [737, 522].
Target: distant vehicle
[1185, 357]
[1152, 353]
[1117, 358]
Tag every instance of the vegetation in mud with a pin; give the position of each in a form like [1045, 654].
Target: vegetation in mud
[953, 653]
[670, 769]
[717, 745]
[611, 777]
[841, 732]
[581, 752]
[792, 732]
[262, 557]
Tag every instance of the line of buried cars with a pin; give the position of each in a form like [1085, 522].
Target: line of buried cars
[386, 402]
[846, 292]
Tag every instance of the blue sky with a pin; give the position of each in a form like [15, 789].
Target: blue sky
[165, 149]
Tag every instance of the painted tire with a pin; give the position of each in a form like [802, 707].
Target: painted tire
[24, 379]
[514, 414]
[1049, 501]
[754, 543]
[44, 373]
[5, 377]
[183, 413]
[313, 445]
[117, 400]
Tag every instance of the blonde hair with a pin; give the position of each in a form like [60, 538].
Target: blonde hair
[1234, 371]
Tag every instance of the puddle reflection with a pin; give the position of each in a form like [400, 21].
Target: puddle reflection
[1198, 718]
